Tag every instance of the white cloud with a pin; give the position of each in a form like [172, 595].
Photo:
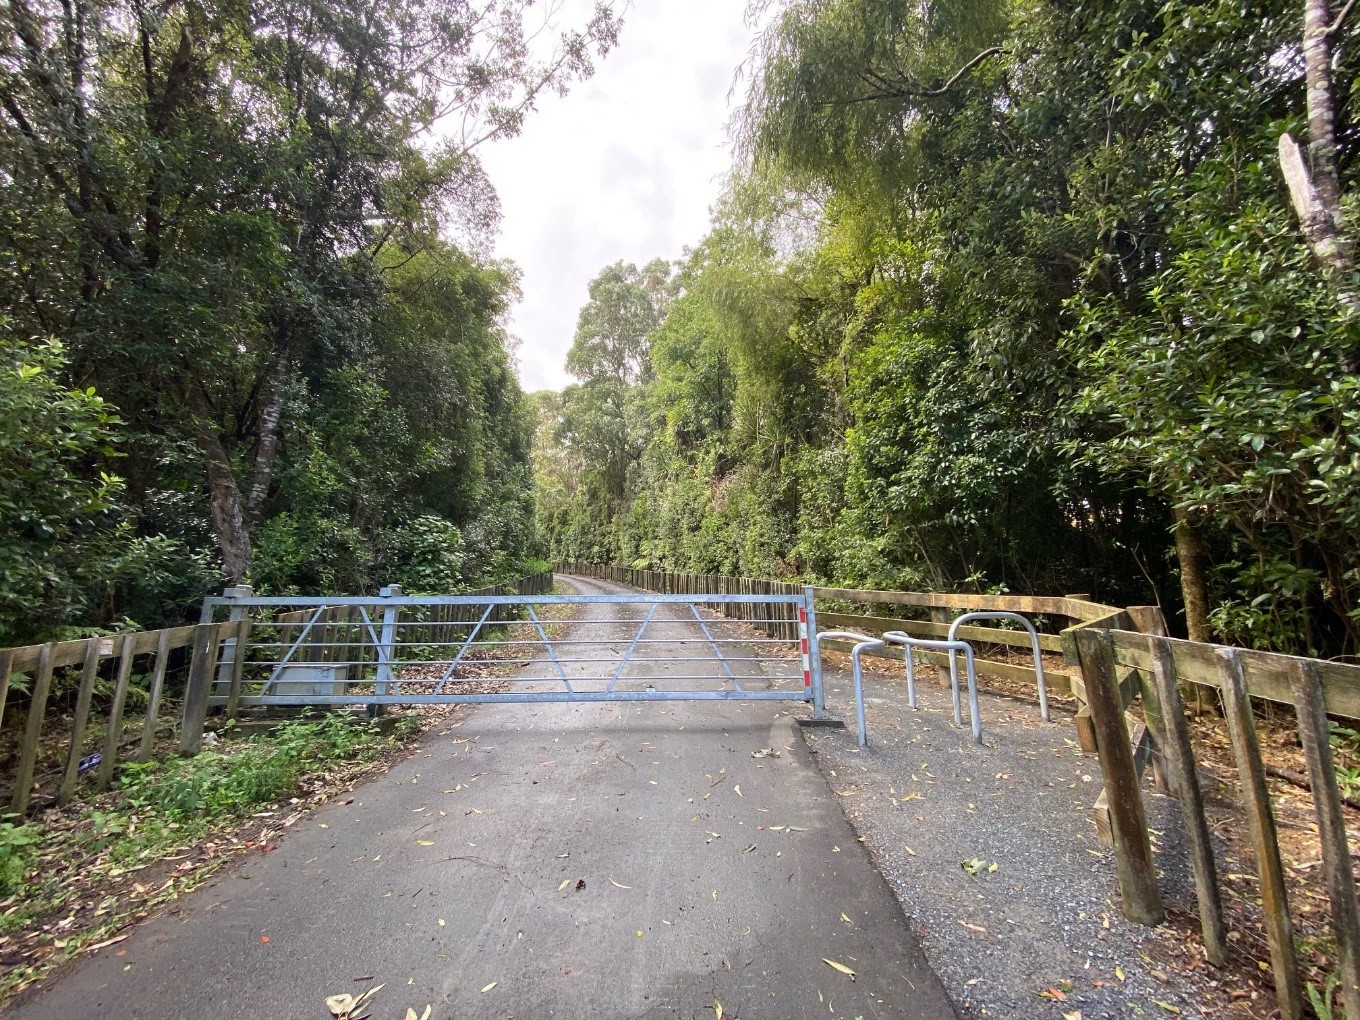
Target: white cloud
[623, 167]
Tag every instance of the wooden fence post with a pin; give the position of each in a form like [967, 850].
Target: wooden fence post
[1141, 899]
[115, 731]
[6, 668]
[153, 706]
[83, 698]
[200, 687]
[28, 752]
[1336, 850]
[1256, 797]
[1180, 760]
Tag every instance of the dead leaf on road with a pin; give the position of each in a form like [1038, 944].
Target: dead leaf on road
[840, 967]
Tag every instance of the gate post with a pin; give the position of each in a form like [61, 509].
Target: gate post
[226, 667]
[387, 639]
[814, 653]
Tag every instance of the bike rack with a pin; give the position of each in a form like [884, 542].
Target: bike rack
[1034, 643]
[862, 644]
[953, 648]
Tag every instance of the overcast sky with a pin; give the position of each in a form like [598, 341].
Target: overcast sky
[623, 167]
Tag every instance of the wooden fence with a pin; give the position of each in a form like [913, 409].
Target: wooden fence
[1122, 669]
[191, 651]
[1128, 679]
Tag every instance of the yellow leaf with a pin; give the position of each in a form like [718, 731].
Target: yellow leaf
[339, 1005]
[839, 966]
[565, 882]
[846, 919]
[1168, 1007]
[426, 1014]
[411, 1014]
[717, 1010]
[638, 934]
[488, 988]
[1073, 1015]
[441, 922]
[1119, 973]
[425, 842]
[737, 791]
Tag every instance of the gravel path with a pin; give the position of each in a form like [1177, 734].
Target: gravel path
[1038, 914]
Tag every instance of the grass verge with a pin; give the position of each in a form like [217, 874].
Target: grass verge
[74, 877]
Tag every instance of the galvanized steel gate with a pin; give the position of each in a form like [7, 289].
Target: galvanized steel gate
[395, 649]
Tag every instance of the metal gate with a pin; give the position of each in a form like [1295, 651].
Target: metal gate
[395, 649]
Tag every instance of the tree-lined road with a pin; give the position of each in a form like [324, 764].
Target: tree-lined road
[546, 861]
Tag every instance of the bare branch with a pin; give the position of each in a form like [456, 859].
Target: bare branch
[1335, 26]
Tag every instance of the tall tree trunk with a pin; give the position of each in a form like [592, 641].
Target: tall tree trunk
[271, 411]
[1193, 559]
[1315, 185]
[225, 501]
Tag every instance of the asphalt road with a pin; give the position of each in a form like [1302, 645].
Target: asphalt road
[602, 861]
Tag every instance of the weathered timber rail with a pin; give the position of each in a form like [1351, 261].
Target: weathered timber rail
[97, 735]
[1128, 678]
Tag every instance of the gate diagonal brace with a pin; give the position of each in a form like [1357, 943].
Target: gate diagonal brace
[462, 651]
[623, 663]
[552, 653]
[717, 652]
[274, 676]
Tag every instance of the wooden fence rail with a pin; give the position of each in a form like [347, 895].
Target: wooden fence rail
[109, 663]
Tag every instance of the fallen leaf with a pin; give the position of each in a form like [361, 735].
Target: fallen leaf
[565, 882]
[974, 927]
[425, 842]
[973, 865]
[737, 791]
[441, 922]
[1119, 973]
[846, 919]
[749, 849]
[1072, 1015]
[488, 988]
[717, 1010]
[840, 967]
[1168, 1007]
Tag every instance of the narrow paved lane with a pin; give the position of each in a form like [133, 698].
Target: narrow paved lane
[602, 861]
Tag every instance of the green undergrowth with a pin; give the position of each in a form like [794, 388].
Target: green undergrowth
[72, 876]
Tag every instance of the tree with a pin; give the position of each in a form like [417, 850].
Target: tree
[200, 195]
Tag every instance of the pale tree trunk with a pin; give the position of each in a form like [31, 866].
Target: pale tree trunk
[225, 501]
[1193, 559]
[1315, 185]
[271, 411]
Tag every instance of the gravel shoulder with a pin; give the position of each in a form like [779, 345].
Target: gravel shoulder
[993, 855]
